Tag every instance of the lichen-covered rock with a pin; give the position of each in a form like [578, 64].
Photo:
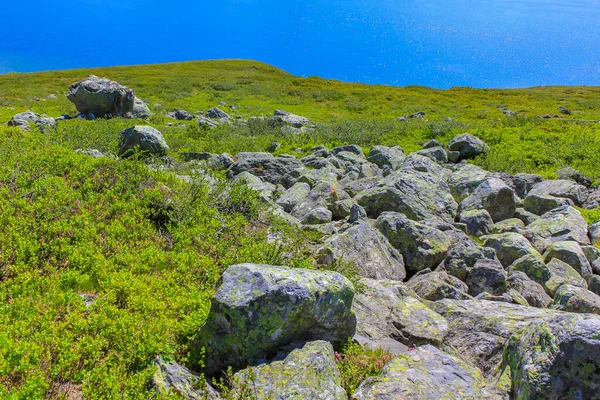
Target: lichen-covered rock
[288, 118]
[317, 216]
[259, 308]
[368, 249]
[594, 284]
[386, 156]
[180, 115]
[417, 195]
[271, 169]
[561, 188]
[559, 225]
[438, 285]
[509, 247]
[524, 182]
[594, 233]
[24, 120]
[540, 204]
[173, 379]
[419, 163]
[574, 175]
[424, 373]
[421, 246]
[562, 273]
[486, 276]
[144, 138]
[354, 187]
[576, 299]
[478, 222]
[556, 359]
[309, 372]
[465, 179]
[494, 196]
[571, 253]
[525, 216]
[217, 113]
[437, 154]
[468, 145]
[464, 253]
[533, 292]
[512, 225]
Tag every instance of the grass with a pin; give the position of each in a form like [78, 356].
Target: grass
[149, 249]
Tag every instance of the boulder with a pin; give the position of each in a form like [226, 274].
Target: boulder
[533, 292]
[417, 195]
[180, 115]
[525, 216]
[293, 196]
[317, 216]
[350, 148]
[509, 247]
[487, 276]
[307, 372]
[540, 204]
[173, 379]
[420, 163]
[140, 110]
[424, 373]
[559, 225]
[556, 359]
[594, 233]
[494, 196]
[23, 120]
[571, 253]
[465, 179]
[216, 113]
[367, 249]
[468, 146]
[437, 154]
[512, 225]
[357, 213]
[576, 299]
[438, 285]
[562, 273]
[574, 175]
[386, 156]
[104, 98]
[144, 138]
[561, 188]
[478, 222]
[421, 246]
[594, 284]
[260, 308]
[354, 187]
[288, 118]
[269, 168]
[524, 182]
[463, 254]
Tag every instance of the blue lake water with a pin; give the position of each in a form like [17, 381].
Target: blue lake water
[480, 43]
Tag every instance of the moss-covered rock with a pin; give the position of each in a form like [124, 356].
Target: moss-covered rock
[478, 222]
[309, 372]
[465, 179]
[540, 204]
[511, 225]
[259, 308]
[559, 225]
[562, 273]
[510, 247]
[576, 299]
[494, 196]
[561, 188]
[438, 285]
[173, 379]
[533, 292]
[571, 253]
[487, 276]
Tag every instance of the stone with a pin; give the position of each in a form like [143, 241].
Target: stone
[23, 120]
[367, 248]
[94, 153]
[206, 123]
[290, 119]
[561, 188]
[386, 156]
[173, 379]
[533, 292]
[478, 222]
[463, 254]
[293, 196]
[269, 168]
[431, 144]
[559, 225]
[468, 145]
[571, 253]
[350, 148]
[525, 216]
[494, 196]
[417, 195]
[144, 138]
[541, 204]
[509, 247]
[419, 163]
[341, 209]
[574, 175]
[217, 113]
[259, 308]
[357, 213]
[562, 273]
[594, 284]
[594, 233]
[180, 115]
[576, 299]
[556, 359]
[512, 225]
[140, 110]
[438, 285]
[487, 276]
[307, 372]
[524, 182]
[421, 246]
[317, 216]
[424, 373]
[437, 154]
[354, 187]
[102, 98]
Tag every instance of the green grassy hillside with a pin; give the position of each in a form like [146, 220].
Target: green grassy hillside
[149, 249]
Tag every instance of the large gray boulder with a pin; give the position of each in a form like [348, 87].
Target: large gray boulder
[555, 359]
[576, 299]
[23, 120]
[367, 249]
[594, 233]
[524, 182]
[420, 163]
[464, 179]
[288, 118]
[384, 156]
[571, 253]
[540, 204]
[559, 225]
[144, 138]
[307, 372]
[260, 308]
[478, 222]
[105, 98]
[417, 195]
[509, 247]
[293, 196]
[421, 246]
[269, 168]
[494, 196]
[574, 175]
[438, 285]
[533, 292]
[487, 276]
[390, 316]
[425, 373]
[561, 188]
[468, 146]
[463, 254]
[173, 379]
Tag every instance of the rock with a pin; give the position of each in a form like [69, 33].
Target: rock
[206, 123]
[217, 113]
[421, 246]
[357, 213]
[22, 120]
[341, 209]
[509, 247]
[317, 216]
[424, 373]
[419, 163]
[140, 110]
[556, 359]
[486, 276]
[478, 222]
[180, 115]
[103, 98]
[46, 123]
[351, 148]
[572, 254]
[512, 225]
[309, 372]
[145, 138]
[594, 284]
[368, 249]
[172, 379]
[531, 291]
[561, 188]
[354, 187]
[594, 233]
[524, 182]
[196, 156]
[574, 175]
[386, 156]
[390, 316]
[576, 299]
[494, 196]
[417, 195]
[291, 119]
[592, 253]
[438, 285]
[437, 154]
[293, 196]
[559, 225]
[453, 156]
[525, 216]
[269, 168]
[468, 145]
[259, 308]
[562, 273]
[464, 253]
[541, 204]
[431, 144]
